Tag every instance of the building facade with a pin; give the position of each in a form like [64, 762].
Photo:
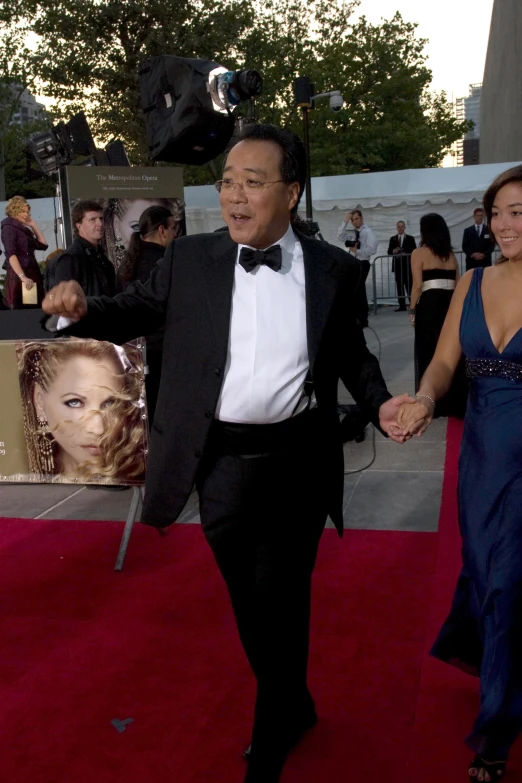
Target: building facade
[501, 105]
[468, 108]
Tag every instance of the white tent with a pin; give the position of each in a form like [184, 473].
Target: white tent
[384, 198]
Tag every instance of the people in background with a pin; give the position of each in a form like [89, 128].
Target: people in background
[483, 632]
[435, 274]
[121, 220]
[84, 260]
[157, 228]
[401, 246]
[478, 243]
[20, 238]
[362, 242]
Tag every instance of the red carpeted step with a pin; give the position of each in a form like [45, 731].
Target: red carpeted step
[82, 645]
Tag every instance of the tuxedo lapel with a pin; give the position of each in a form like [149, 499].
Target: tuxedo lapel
[219, 268]
[320, 290]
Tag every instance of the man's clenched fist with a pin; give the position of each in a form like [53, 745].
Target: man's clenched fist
[66, 299]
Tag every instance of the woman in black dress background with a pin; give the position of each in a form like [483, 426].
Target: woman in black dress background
[157, 228]
[435, 274]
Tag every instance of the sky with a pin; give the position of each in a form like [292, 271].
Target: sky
[457, 30]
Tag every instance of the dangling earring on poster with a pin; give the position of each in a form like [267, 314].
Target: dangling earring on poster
[45, 444]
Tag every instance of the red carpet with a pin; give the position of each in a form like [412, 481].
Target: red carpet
[82, 645]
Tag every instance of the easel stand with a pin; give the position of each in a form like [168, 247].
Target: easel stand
[132, 516]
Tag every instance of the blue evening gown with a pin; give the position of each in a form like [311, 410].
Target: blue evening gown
[484, 629]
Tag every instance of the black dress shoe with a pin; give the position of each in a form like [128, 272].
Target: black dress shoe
[293, 738]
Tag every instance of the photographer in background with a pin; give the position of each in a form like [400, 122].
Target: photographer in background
[362, 243]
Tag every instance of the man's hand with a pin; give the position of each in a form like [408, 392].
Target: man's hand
[388, 413]
[396, 250]
[66, 299]
[415, 419]
[478, 256]
[348, 217]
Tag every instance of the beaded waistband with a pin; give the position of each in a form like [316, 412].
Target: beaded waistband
[493, 368]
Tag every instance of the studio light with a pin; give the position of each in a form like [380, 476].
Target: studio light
[188, 106]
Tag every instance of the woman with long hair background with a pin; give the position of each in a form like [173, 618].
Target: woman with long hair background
[121, 220]
[435, 273]
[157, 227]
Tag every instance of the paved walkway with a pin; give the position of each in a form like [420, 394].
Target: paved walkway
[401, 490]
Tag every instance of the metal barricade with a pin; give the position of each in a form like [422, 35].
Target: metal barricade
[382, 288]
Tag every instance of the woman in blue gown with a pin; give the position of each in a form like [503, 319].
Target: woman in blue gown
[483, 633]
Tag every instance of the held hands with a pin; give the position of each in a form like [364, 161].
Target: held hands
[66, 299]
[414, 419]
[388, 417]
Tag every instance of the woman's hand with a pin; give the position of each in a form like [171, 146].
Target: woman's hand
[415, 418]
[411, 319]
[28, 282]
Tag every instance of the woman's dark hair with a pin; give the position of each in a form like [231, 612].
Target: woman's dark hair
[293, 163]
[509, 177]
[435, 235]
[150, 220]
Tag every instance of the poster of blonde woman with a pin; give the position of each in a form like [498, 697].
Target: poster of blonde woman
[73, 411]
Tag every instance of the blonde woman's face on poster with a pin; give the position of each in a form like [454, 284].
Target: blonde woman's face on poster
[76, 405]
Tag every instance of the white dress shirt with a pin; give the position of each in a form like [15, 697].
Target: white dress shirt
[267, 359]
[367, 238]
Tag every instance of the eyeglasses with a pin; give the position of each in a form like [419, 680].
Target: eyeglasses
[250, 186]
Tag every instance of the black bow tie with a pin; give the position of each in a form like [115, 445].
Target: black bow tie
[250, 258]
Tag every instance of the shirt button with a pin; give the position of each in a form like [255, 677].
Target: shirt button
[198, 454]
[218, 371]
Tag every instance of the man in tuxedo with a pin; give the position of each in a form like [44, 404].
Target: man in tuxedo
[259, 326]
[401, 247]
[477, 242]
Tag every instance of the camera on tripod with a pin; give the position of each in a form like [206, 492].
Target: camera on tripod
[189, 106]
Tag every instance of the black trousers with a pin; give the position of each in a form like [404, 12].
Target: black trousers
[471, 263]
[263, 510]
[403, 280]
[362, 299]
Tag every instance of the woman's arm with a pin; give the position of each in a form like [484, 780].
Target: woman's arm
[416, 287]
[38, 234]
[17, 269]
[437, 379]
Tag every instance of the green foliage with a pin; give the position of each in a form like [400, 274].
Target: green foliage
[88, 54]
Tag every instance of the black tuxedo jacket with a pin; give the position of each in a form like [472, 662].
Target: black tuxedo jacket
[190, 291]
[408, 246]
[473, 243]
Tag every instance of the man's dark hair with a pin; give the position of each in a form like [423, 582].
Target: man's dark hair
[80, 209]
[293, 163]
[435, 235]
[357, 212]
[478, 209]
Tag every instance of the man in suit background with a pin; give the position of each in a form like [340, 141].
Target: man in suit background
[259, 326]
[362, 243]
[477, 242]
[401, 247]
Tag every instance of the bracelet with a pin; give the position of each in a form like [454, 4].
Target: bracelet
[21, 276]
[426, 397]
[411, 312]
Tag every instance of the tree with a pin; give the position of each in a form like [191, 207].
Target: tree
[88, 54]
